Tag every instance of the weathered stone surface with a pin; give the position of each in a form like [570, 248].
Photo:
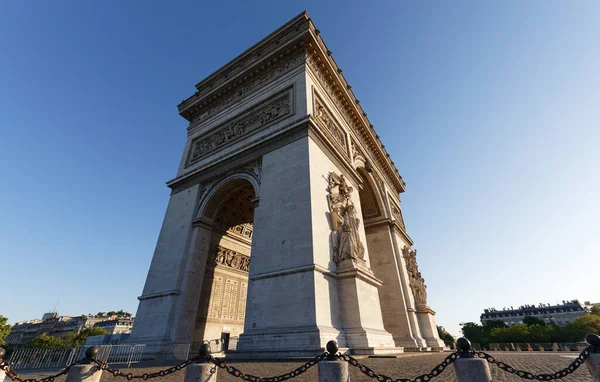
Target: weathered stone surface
[84, 373]
[472, 370]
[201, 372]
[333, 371]
[593, 365]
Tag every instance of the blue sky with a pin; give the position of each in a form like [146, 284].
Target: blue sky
[491, 112]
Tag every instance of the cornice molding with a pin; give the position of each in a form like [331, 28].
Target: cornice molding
[247, 70]
[340, 94]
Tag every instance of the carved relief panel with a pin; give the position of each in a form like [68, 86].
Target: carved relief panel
[271, 111]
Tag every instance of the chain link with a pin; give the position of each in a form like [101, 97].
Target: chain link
[384, 378]
[249, 377]
[540, 377]
[14, 376]
[145, 376]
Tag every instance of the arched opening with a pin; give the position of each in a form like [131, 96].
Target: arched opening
[369, 197]
[222, 303]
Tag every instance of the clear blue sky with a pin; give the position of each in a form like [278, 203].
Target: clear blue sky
[491, 112]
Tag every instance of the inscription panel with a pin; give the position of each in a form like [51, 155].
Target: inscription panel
[214, 303]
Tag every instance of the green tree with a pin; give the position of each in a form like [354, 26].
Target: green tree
[583, 325]
[45, 341]
[475, 333]
[73, 339]
[495, 324]
[446, 337]
[595, 310]
[4, 329]
[533, 321]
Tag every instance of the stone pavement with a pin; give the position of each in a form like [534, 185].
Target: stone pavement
[406, 366]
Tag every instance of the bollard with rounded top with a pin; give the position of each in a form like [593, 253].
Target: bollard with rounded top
[204, 370]
[331, 369]
[593, 361]
[2, 372]
[467, 367]
[87, 370]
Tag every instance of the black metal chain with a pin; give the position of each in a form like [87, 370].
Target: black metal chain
[540, 377]
[145, 376]
[14, 376]
[384, 378]
[249, 377]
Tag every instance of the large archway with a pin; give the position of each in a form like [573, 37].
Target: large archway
[222, 304]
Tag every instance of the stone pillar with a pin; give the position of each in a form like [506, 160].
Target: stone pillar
[161, 314]
[332, 369]
[467, 367]
[87, 371]
[593, 362]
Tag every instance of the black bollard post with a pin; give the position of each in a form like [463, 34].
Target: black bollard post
[467, 367]
[86, 370]
[204, 370]
[331, 369]
[3, 372]
[593, 361]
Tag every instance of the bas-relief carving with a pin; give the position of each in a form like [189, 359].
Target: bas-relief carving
[231, 259]
[332, 127]
[397, 214]
[346, 226]
[201, 112]
[417, 283]
[276, 109]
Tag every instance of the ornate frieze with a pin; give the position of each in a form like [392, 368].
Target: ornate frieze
[231, 259]
[277, 108]
[417, 283]
[202, 111]
[347, 243]
[332, 128]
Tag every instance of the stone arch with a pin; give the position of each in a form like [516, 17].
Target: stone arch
[208, 202]
[227, 212]
[371, 197]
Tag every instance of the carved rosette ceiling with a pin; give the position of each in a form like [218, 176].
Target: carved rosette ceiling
[269, 112]
[236, 213]
[347, 244]
[253, 168]
[417, 283]
[231, 259]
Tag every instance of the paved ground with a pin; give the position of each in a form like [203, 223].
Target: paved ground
[407, 366]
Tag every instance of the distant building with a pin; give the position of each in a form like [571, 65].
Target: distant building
[560, 314]
[116, 326]
[57, 326]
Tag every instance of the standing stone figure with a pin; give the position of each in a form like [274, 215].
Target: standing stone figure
[345, 235]
[417, 283]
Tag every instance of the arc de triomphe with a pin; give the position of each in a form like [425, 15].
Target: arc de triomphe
[284, 226]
